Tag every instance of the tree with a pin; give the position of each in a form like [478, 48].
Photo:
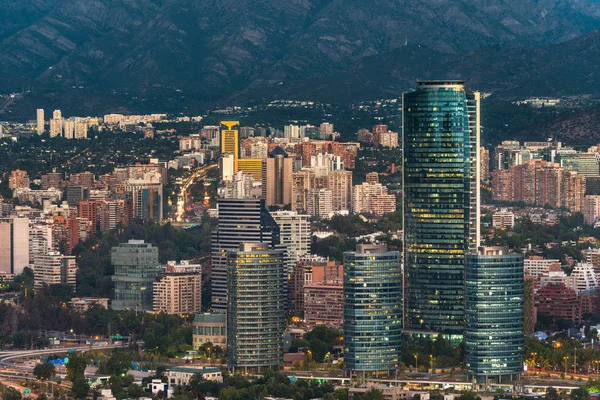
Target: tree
[580, 394]
[468, 396]
[200, 387]
[76, 367]
[44, 371]
[117, 364]
[80, 388]
[11, 394]
[373, 394]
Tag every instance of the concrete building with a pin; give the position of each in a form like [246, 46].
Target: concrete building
[585, 278]
[383, 203]
[136, 268]
[55, 269]
[324, 304]
[227, 166]
[230, 140]
[181, 375]
[18, 179]
[340, 185]
[146, 199]
[40, 121]
[14, 244]
[319, 203]
[537, 266]
[484, 159]
[503, 219]
[387, 139]
[326, 130]
[177, 289]
[209, 328]
[252, 167]
[56, 124]
[591, 209]
[294, 232]
[362, 196]
[82, 304]
[256, 308]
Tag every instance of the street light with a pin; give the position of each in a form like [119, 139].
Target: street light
[309, 358]
[431, 363]
[416, 361]
[565, 358]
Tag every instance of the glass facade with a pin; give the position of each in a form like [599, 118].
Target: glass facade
[372, 309]
[136, 268]
[441, 131]
[255, 307]
[494, 343]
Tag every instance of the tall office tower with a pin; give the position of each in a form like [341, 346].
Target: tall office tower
[14, 244]
[294, 232]
[227, 167]
[177, 289]
[372, 309]
[441, 147]
[40, 121]
[146, 199]
[494, 299]
[54, 268]
[136, 268]
[239, 221]
[56, 124]
[256, 307]
[230, 140]
[277, 178]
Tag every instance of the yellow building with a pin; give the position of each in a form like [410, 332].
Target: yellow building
[251, 166]
[230, 140]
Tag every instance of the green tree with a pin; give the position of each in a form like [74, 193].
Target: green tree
[76, 367]
[373, 394]
[468, 396]
[11, 394]
[44, 371]
[80, 388]
[118, 363]
[580, 394]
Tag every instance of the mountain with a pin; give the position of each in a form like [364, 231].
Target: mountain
[211, 49]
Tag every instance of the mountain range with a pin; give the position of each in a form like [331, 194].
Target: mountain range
[333, 50]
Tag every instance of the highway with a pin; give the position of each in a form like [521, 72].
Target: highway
[182, 197]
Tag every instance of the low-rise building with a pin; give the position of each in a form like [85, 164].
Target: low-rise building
[209, 328]
[182, 375]
[82, 304]
[503, 219]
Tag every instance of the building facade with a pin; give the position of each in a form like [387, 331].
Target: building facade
[14, 244]
[372, 309]
[136, 268]
[177, 289]
[494, 343]
[209, 328]
[441, 183]
[255, 308]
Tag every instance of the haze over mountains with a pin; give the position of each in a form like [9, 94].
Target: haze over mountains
[333, 50]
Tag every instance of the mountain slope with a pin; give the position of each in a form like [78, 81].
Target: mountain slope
[212, 48]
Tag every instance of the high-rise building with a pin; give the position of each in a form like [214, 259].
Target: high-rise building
[294, 232]
[110, 214]
[319, 203]
[40, 121]
[18, 179]
[230, 140]
[340, 185]
[56, 124]
[54, 268]
[227, 167]
[372, 309]
[239, 221]
[484, 158]
[494, 343]
[177, 289]
[14, 244]
[252, 166]
[146, 199]
[324, 304]
[326, 130]
[292, 133]
[256, 307]
[441, 184]
[591, 209]
[69, 128]
[136, 268]
[277, 178]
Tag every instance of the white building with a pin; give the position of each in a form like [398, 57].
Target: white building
[537, 266]
[177, 289]
[54, 269]
[294, 232]
[362, 195]
[585, 278]
[182, 375]
[503, 219]
[40, 121]
[319, 203]
[14, 244]
[56, 124]
[227, 167]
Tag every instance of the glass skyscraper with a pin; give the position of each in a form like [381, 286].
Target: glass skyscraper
[255, 307]
[372, 309]
[441, 186]
[494, 343]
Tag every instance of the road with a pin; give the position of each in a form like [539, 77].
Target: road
[182, 197]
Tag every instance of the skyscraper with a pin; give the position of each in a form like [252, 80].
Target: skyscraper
[230, 140]
[56, 124]
[256, 307]
[136, 267]
[239, 221]
[40, 121]
[277, 178]
[441, 163]
[372, 309]
[295, 232]
[494, 287]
